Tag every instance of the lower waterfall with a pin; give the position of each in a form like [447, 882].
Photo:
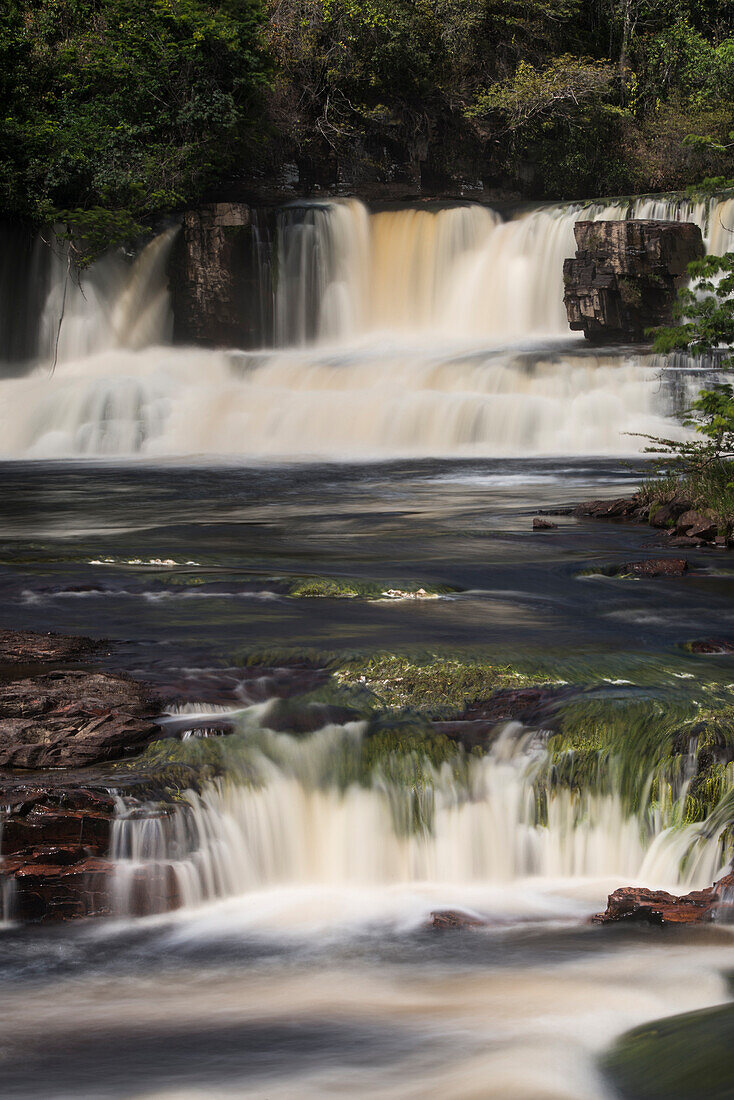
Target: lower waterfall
[365, 401]
[294, 813]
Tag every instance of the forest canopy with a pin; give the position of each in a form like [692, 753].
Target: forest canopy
[115, 111]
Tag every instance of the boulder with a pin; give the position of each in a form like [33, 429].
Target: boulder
[659, 907]
[668, 513]
[58, 883]
[625, 276]
[544, 525]
[695, 524]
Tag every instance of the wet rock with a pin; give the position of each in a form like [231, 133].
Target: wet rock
[653, 567]
[532, 706]
[53, 883]
[444, 919]
[711, 645]
[687, 541]
[24, 647]
[625, 276]
[544, 525]
[659, 907]
[304, 717]
[72, 718]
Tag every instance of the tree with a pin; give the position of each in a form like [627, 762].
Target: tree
[119, 109]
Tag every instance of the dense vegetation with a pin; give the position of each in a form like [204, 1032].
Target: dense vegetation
[116, 110]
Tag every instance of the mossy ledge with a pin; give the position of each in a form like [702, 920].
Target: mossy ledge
[686, 1057]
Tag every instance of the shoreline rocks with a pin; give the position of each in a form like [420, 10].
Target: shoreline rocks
[676, 518]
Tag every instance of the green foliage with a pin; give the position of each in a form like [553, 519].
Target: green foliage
[115, 110]
[703, 466]
[118, 111]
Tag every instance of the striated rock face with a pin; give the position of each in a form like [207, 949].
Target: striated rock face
[56, 827]
[660, 907]
[213, 278]
[68, 719]
[625, 276]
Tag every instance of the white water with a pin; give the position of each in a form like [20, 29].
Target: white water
[413, 332]
[292, 835]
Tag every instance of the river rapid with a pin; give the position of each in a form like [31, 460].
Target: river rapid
[168, 499]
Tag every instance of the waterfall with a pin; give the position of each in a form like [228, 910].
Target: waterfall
[431, 331]
[287, 815]
[456, 270]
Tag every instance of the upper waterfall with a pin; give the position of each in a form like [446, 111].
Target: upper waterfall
[458, 271]
[431, 331]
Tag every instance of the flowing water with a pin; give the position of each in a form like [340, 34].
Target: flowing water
[301, 962]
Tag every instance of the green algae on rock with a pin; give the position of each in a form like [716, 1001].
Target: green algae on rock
[687, 1057]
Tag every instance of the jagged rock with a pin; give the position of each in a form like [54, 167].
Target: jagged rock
[214, 279]
[659, 907]
[625, 276]
[630, 508]
[72, 718]
[544, 525]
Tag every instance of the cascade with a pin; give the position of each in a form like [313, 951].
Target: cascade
[404, 332]
[288, 816]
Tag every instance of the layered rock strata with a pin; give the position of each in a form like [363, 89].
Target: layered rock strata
[625, 276]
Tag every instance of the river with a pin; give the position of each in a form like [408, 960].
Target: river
[169, 498]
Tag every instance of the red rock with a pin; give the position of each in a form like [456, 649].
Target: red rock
[659, 907]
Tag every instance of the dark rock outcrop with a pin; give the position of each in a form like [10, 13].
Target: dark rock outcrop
[68, 719]
[543, 525]
[214, 278]
[54, 841]
[625, 276]
[660, 907]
